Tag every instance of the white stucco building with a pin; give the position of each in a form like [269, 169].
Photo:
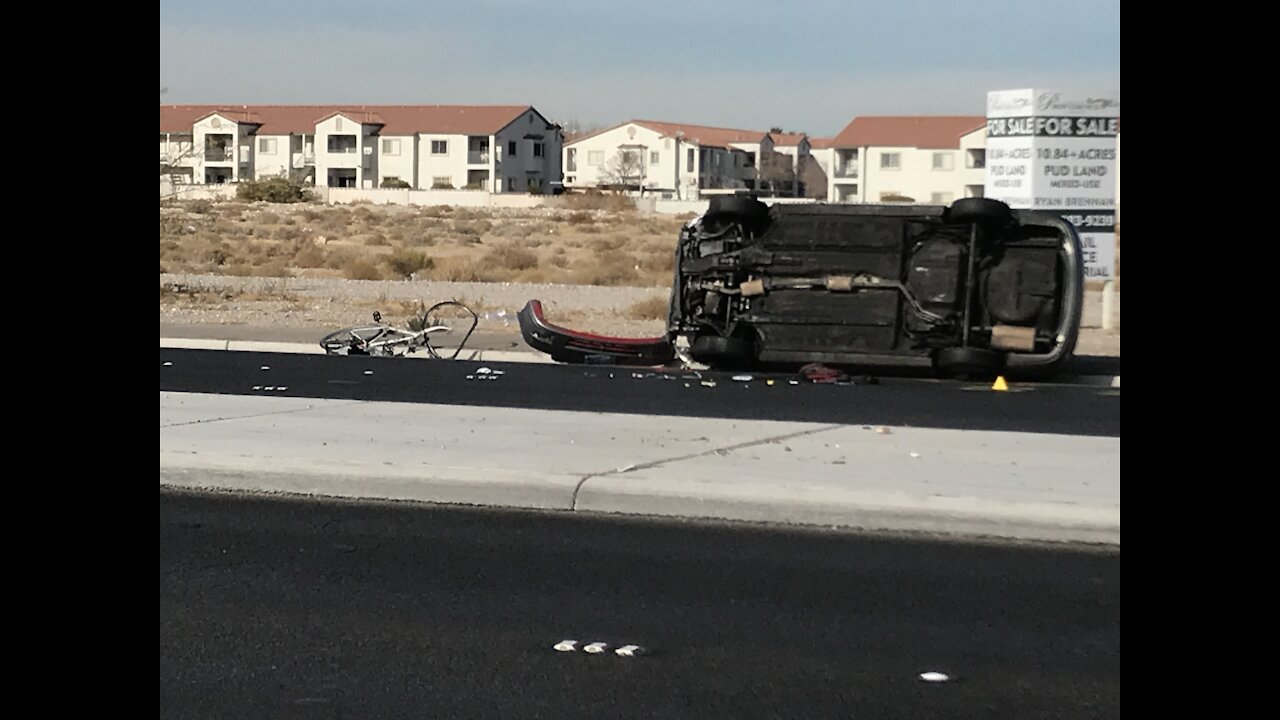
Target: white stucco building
[499, 148]
[674, 160]
[912, 159]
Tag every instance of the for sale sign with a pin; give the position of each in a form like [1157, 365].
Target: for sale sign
[1055, 152]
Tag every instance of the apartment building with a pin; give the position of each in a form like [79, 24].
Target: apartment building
[908, 159]
[499, 148]
[674, 160]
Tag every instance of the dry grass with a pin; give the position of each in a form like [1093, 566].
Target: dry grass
[654, 308]
[578, 243]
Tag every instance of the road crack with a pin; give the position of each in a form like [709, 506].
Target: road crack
[724, 450]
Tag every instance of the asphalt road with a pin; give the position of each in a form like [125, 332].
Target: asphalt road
[1050, 408]
[336, 609]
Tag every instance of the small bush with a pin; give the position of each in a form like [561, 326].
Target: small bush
[407, 262]
[200, 206]
[654, 308]
[361, 269]
[510, 257]
[396, 184]
[596, 200]
[273, 190]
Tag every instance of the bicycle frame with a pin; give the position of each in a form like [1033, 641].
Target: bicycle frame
[382, 339]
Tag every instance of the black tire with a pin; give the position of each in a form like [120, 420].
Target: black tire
[744, 209]
[719, 351]
[979, 210]
[968, 362]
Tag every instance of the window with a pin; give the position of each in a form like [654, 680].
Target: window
[267, 146]
[571, 159]
[943, 161]
[653, 158]
[390, 147]
[511, 184]
[571, 179]
[890, 161]
[538, 149]
[595, 158]
[689, 163]
[511, 150]
[342, 143]
[940, 198]
[442, 182]
[439, 147]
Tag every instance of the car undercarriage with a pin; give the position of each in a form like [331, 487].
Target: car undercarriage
[973, 288]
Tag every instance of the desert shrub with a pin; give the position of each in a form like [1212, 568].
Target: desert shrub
[617, 269]
[200, 206]
[274, 190]
[396, 184]
[595, 200]
[653, 308]
[405, 262]
[308, 255]
[510, 257]
[361, 269]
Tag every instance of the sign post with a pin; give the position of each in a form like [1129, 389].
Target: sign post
[1057, 153]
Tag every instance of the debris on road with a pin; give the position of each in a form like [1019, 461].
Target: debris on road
[566, 645]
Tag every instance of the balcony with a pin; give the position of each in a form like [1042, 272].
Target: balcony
[847, 171]
[219, 155]
[478, 157]
[301, 160]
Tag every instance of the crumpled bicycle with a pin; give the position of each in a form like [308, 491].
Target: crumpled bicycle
[381, 339]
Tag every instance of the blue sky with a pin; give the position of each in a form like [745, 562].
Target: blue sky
[805, 65]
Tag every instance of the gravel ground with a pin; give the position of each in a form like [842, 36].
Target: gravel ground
[326, 304]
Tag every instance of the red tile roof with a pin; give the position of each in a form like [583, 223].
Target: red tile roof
[788, 139]
[396, 119]
[703, 135]
[821, 143]
[922, 131]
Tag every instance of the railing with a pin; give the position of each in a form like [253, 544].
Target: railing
[478, 157]
[219, 155]
[848, 171]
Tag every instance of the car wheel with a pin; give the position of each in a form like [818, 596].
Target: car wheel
[719, 351]
[968, 361]
[979, 210]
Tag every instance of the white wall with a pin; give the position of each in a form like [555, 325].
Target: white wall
[971, 176]
[274, 164]
[366, 173]
[451, 164]
[240, 143]
[403, 165]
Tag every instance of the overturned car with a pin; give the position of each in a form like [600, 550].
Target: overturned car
[971, 289]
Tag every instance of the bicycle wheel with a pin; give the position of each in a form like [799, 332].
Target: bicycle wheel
[460, 320]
